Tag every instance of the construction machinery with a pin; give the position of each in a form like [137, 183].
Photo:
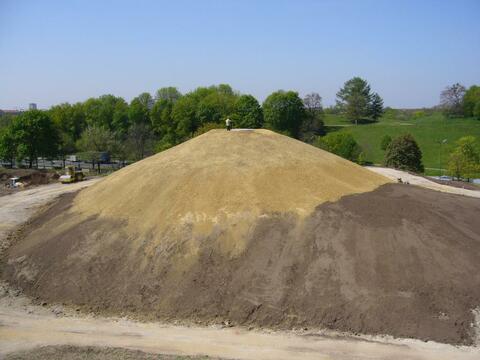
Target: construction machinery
[71, 175]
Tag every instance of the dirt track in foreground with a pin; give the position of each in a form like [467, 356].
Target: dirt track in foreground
[22, 331]
[25, 326]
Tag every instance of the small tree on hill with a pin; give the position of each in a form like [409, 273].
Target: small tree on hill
[405, 154]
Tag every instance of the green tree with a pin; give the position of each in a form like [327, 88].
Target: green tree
[35, 135]
[70, 122]
[312, 125]
[464, 161]
[284, 112]
[161, 116]
[354, 98]
[120, 120]
[376, 107]
[140, 132]
[69, 119]
[404, 153]
[386, 140]
[170, 94]
[248, 113]
[107, 111]
[203, 105]
[215, 104]
[476, 110]
[95, 141]
[183, 114]
[342, 144]
[8, 145]
[471, 99]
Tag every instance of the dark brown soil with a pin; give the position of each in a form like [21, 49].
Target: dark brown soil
[400, 260]
[93, 353]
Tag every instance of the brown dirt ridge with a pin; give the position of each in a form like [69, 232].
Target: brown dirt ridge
[94, 353]
[185, 235]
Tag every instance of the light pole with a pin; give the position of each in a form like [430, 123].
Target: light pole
[440, 156]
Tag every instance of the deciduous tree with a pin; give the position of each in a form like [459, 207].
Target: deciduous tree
[451, 100]
[312, 125]
[342, 144]
[248, 113]
[284, 112]
[464, 161]
[168, 93]
[8, 145]
[471, 99]
[35, 135]
[404, 153]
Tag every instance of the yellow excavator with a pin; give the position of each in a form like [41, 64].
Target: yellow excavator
[71, 175]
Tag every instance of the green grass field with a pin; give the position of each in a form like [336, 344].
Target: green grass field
[429, 131]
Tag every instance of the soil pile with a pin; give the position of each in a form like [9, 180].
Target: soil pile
[28, 177]
[256, 228]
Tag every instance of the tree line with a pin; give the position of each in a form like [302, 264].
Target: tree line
[149, 124]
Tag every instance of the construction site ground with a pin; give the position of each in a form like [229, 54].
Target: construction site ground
[24, 326]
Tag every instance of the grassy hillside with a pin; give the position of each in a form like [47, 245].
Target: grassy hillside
[428, 130]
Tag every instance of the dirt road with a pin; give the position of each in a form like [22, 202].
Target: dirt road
[421, 181]
[20, 330]
[24, 326]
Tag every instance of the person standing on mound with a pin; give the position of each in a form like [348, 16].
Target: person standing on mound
[228, 122]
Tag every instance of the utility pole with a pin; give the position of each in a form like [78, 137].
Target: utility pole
[440, 156]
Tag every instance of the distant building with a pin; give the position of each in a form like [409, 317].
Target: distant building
[32, 106]
[10, 112]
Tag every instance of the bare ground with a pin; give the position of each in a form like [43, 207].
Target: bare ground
[399, 260]
[25, 326]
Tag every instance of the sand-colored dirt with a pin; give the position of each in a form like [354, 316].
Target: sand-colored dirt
[222, 178]
[205, 233]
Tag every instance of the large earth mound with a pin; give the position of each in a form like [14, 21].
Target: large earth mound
[257, 228]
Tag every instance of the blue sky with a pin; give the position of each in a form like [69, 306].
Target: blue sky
[58, 51]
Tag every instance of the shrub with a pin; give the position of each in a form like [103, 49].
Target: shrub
[341, 144]
[404, 153]
[386, 140]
